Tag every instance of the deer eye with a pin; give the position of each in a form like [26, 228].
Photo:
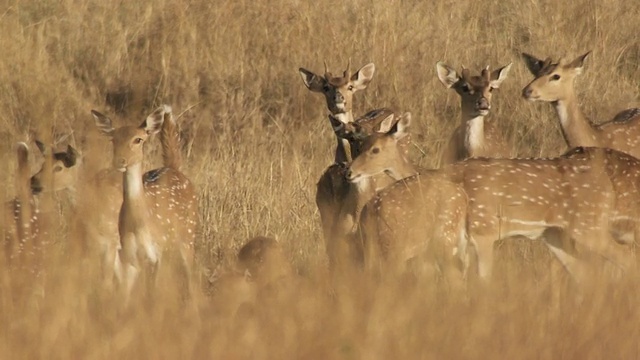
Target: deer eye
[465, 88]
[350, 88]
[57, 168]
[326, 88]
[375, 150]
[555, 77]
[138, 140]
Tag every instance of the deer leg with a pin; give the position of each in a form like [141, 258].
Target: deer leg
[128, 255]
[187, 256]
[109, 258]
[483, 246]
[554, 237]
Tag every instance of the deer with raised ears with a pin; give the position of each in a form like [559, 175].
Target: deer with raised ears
[159, 209]
[475, 136]
[338, 91]
[25, 218]
[20, 217]
[338, 200]
[589, 195]
[64, 169]
[400, 222]
[554, 83]
[340, 242]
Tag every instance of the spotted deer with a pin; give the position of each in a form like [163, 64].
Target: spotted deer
[399, 222]
[347, 198]
[262, 257]
[338, 92]
[476, 136]
[589, 195]
[99, 225]
[24, 217]
[554, 83]
[20, 218]
[158, 208]
[261, 271]
[64, 170]
[340, 244]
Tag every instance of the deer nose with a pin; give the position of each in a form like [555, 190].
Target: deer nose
[526, 92]
[349, 174]
[119, 163]
[339, 98]
[36, 186]
[483, 104]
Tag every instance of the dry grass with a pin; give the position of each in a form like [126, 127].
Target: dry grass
[257, 141]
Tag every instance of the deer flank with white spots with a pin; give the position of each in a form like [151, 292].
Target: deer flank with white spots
[159, 209]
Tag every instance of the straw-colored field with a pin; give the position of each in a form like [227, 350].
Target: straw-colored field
[256, 141]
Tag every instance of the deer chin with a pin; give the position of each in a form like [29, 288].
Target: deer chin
[483, 112]
[355, 178]
[532, 98]
[341, 106]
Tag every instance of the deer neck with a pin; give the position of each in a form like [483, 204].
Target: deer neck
[134, 202]
[345, 117]
[474, 137]
[576, 128]
[343, 150]
[402, 169]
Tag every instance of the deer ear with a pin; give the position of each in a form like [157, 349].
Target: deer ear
[70, 157]
[448, 76]
[498, 76]
[153, 123]
[533, 63]
[41, 146]
[363, 77]
[312, 81]
[386, 124]
[401, 128]
[336, 124]
[22, 149]
[578, 63]
[103, 123]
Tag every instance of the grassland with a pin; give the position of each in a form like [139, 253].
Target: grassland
[256, 141]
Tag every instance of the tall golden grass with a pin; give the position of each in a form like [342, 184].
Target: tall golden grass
[256, 141]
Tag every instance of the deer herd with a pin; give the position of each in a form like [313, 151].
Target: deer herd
[378, 211]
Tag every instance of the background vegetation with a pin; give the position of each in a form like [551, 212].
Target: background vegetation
[256, 142]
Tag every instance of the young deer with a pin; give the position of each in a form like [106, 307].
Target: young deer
[347, 199]
[554, 83]
[64, 170]
[24, 219]
[262, 258]
[340, 242]
[158, 209]
[475, 136]
[338, 92]
[20, 217]
[399, 223]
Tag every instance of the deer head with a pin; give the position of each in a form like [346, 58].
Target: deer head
[553, 81]
[128, 141]
[338, 90]
[475, 91]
